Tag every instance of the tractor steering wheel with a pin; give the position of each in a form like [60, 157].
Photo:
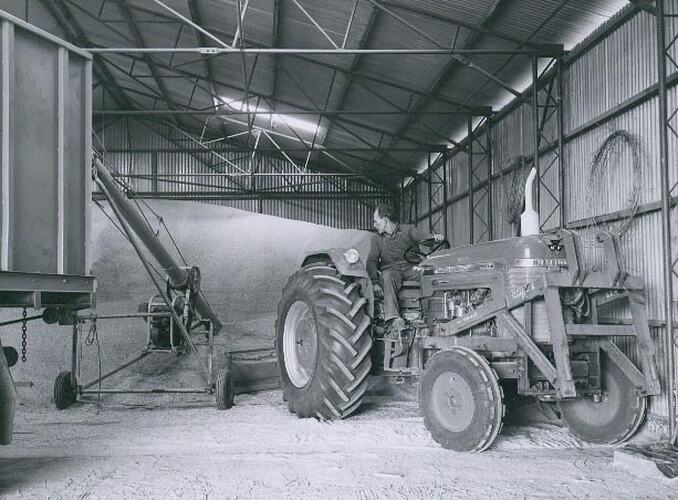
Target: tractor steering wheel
[414, 255]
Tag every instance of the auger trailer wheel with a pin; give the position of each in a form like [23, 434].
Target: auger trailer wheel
[224, 389]
[64, 392]
[612, 418]
[323, 343]
[461, 400]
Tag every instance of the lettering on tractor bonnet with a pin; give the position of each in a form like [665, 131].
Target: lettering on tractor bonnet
[521, 292]
[540, 262]
[464, 268]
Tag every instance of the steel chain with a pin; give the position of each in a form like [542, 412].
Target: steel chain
[24, 336]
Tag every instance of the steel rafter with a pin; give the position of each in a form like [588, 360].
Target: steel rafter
[248, 149]
[315, 23]
[667, 24]
[526, 41]
[209, 54]
[350, 132]
[348, 121]
[440, 50]
[297, 138]
[242, 10]
[225, 195]
[214, 111]
[107, 24]
[368, 77]
[65, 19]
[539, 49]
[195, 154]
[246, 79]
[274, 43]
[196, 17]
[157, 77]
[459, 54]
[323, 151]
[364, 42]
[447, 71]
[480, 29]
[242, 191]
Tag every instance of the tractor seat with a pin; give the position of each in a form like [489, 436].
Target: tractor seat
[411, 284]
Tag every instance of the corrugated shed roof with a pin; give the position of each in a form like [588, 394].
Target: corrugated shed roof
[410, 83]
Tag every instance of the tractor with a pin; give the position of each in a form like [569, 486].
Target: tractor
[524, 312]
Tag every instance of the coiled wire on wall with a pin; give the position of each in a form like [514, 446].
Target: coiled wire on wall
[599, 173]
[514, 193]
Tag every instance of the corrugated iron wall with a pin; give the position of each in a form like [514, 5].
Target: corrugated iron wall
[614, 71]
[158, 159]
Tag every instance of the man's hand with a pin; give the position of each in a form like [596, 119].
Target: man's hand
[378, 289]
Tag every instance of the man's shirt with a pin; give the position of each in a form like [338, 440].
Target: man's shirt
[388, 251]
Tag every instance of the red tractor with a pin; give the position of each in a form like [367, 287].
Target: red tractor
[523, 311]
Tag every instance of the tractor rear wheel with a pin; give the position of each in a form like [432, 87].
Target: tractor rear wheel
[323, 342]
[614, 418]
[461, 400]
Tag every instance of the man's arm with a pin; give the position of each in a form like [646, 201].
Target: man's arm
[418, 234]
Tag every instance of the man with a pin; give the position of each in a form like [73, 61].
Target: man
[387, 253]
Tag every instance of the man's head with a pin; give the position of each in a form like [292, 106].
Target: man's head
[385, 218]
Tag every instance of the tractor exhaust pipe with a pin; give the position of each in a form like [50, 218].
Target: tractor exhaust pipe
[177, 275]
[529, 219]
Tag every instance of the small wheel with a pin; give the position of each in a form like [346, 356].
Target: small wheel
[613, 419]
[461, 400]
[224, 389]
[64, 392]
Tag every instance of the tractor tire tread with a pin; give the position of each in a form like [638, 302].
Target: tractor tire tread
[339, 381]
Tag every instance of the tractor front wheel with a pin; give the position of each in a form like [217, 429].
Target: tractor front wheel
[323, 343]
[461, 400]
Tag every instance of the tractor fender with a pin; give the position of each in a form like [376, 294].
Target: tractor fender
[357, 270]
[336, 256]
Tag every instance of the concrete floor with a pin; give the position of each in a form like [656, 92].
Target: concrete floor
[172, 447]
[185, 448]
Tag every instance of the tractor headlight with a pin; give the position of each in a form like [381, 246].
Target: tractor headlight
[352, 256]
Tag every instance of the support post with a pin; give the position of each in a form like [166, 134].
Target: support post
[437, 190]
[154, 171]
[535, 128]
[561, 144]
[469, 150]
[666, 191]
[490, 204]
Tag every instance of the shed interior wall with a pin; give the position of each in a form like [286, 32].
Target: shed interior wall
[619, 69]
[160, 161]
